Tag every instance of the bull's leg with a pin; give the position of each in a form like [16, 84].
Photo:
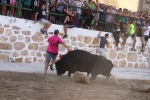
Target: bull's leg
[69, 74]
[93, 77]
[88, 74]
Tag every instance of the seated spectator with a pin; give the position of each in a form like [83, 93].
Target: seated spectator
[146, 35]
[40, 16]
[90, 20]
[125, 33]
[117, 31]
[12, 3]
[70, 20]
[4, 8]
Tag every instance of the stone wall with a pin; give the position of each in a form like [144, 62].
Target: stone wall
[20, 41]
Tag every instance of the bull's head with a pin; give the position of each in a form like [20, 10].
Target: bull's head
[59, 68]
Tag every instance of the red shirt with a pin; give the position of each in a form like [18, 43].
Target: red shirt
[74, 20]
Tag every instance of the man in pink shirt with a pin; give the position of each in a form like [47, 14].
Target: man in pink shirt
[52, 50]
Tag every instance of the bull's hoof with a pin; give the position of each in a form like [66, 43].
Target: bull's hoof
[91, 79]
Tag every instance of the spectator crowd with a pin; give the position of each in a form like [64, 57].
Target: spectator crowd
[91, 15]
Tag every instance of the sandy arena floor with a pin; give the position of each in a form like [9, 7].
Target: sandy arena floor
[25, 86]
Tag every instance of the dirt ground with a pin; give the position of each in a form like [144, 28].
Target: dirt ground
[25, 86]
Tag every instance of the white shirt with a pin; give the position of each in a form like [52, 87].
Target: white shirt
[147, 31]
[78, 4]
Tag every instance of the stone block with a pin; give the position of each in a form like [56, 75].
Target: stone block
[24, 53]
[136, 65]
[80, 38]
[34, 59]
[6, 25]
[4, 57]
[125, 50]
[37, 37]
[73, 38]
[19, 45]
[95, 41]
[142, 65]
[27, 39]
[122, 63]
[87, 39]
[28, 60]
[1, 30]
[16, 32]
[5, 46]
[8, 32]
[74, 43]
[13, 38]
[43, 48]
[130, 65]
[121, 56]
[32, 53]
[33, 46]
[40, 60]
[115, 63]
[148, 61]
[15, 54]
[16, 28]
[3, 38]
[19, 60]
[80, 44]
[20, 37]
[26, 32]
[145, 54]
[66, 41]
[61, 34]
[39, 54]
[112, 54]
[132, 57]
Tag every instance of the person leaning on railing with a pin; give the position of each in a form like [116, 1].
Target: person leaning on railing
[40, 16]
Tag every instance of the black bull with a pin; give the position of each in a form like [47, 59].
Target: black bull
[79, 60]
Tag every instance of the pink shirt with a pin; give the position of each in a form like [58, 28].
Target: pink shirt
[53, 44]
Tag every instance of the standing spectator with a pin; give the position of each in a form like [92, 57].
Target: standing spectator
[145, 36]
[52, 50]
[4, 8]
[69, 21]
[40, 16]
[109, 19]
[91, 5]
[59, 9]
[103, 42]
[12, 10]
[78, 3]
[53, 6]
[26, 13]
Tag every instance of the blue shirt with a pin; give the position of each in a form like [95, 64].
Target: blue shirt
[26, 2]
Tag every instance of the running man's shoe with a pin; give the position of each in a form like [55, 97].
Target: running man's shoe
[41, 31]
